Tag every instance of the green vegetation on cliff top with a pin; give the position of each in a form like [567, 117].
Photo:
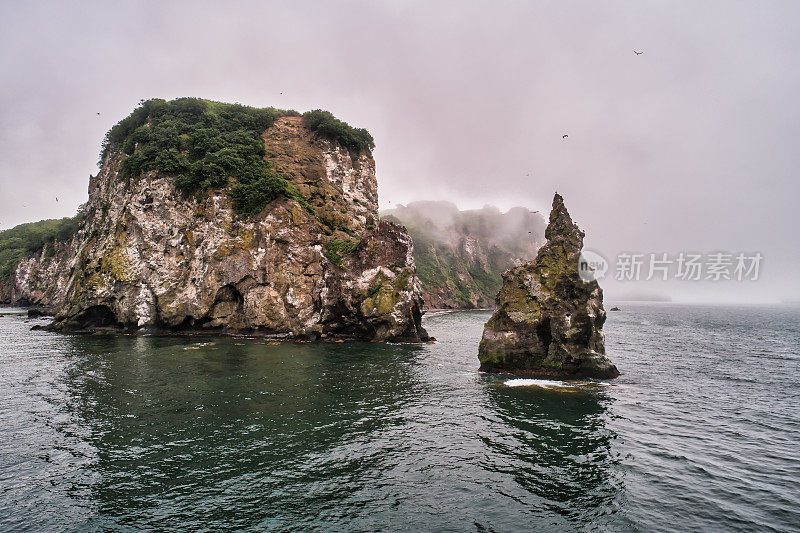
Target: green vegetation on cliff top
[325, 124]
[204, 144]
[28, 239]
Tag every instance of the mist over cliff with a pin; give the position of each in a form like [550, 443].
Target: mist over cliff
[461, 255]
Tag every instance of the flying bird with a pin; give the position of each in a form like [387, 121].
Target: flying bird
[56, 198]
[564, 136]
[98, 112]
[637, 53]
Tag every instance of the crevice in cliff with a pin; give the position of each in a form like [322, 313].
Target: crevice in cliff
[544, 333]
[96, 316]
[227, 309]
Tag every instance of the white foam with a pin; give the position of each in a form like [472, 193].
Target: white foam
[552, 384]
[535, 382]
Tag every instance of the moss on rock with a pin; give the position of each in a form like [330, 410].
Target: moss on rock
[548, 320]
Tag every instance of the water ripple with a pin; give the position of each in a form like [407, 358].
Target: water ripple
[126, 433]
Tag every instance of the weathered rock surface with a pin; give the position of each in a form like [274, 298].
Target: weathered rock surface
[147, 257]
[8, 292]
[549, 321]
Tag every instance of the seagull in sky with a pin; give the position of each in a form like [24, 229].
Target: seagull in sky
[564, 136]
[637, 53]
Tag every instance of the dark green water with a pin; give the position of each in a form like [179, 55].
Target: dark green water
[700, 433]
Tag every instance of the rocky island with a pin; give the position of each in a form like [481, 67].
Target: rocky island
[224, 218]
[549, 321]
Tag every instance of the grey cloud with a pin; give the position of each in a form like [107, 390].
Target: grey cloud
[689, 146]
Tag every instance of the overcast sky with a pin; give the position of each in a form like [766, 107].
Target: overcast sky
[691, 146]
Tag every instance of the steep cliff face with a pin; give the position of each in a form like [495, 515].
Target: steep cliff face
[461, 255]
[320, 265]
[549, 322]
[7, 290]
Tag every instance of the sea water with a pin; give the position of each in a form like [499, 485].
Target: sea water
[700, 433]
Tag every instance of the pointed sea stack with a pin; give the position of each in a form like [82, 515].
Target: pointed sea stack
[549, 322]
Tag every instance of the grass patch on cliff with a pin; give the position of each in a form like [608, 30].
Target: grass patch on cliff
[250, 198]
[31, 238]
[336, 250]
[205, 144]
